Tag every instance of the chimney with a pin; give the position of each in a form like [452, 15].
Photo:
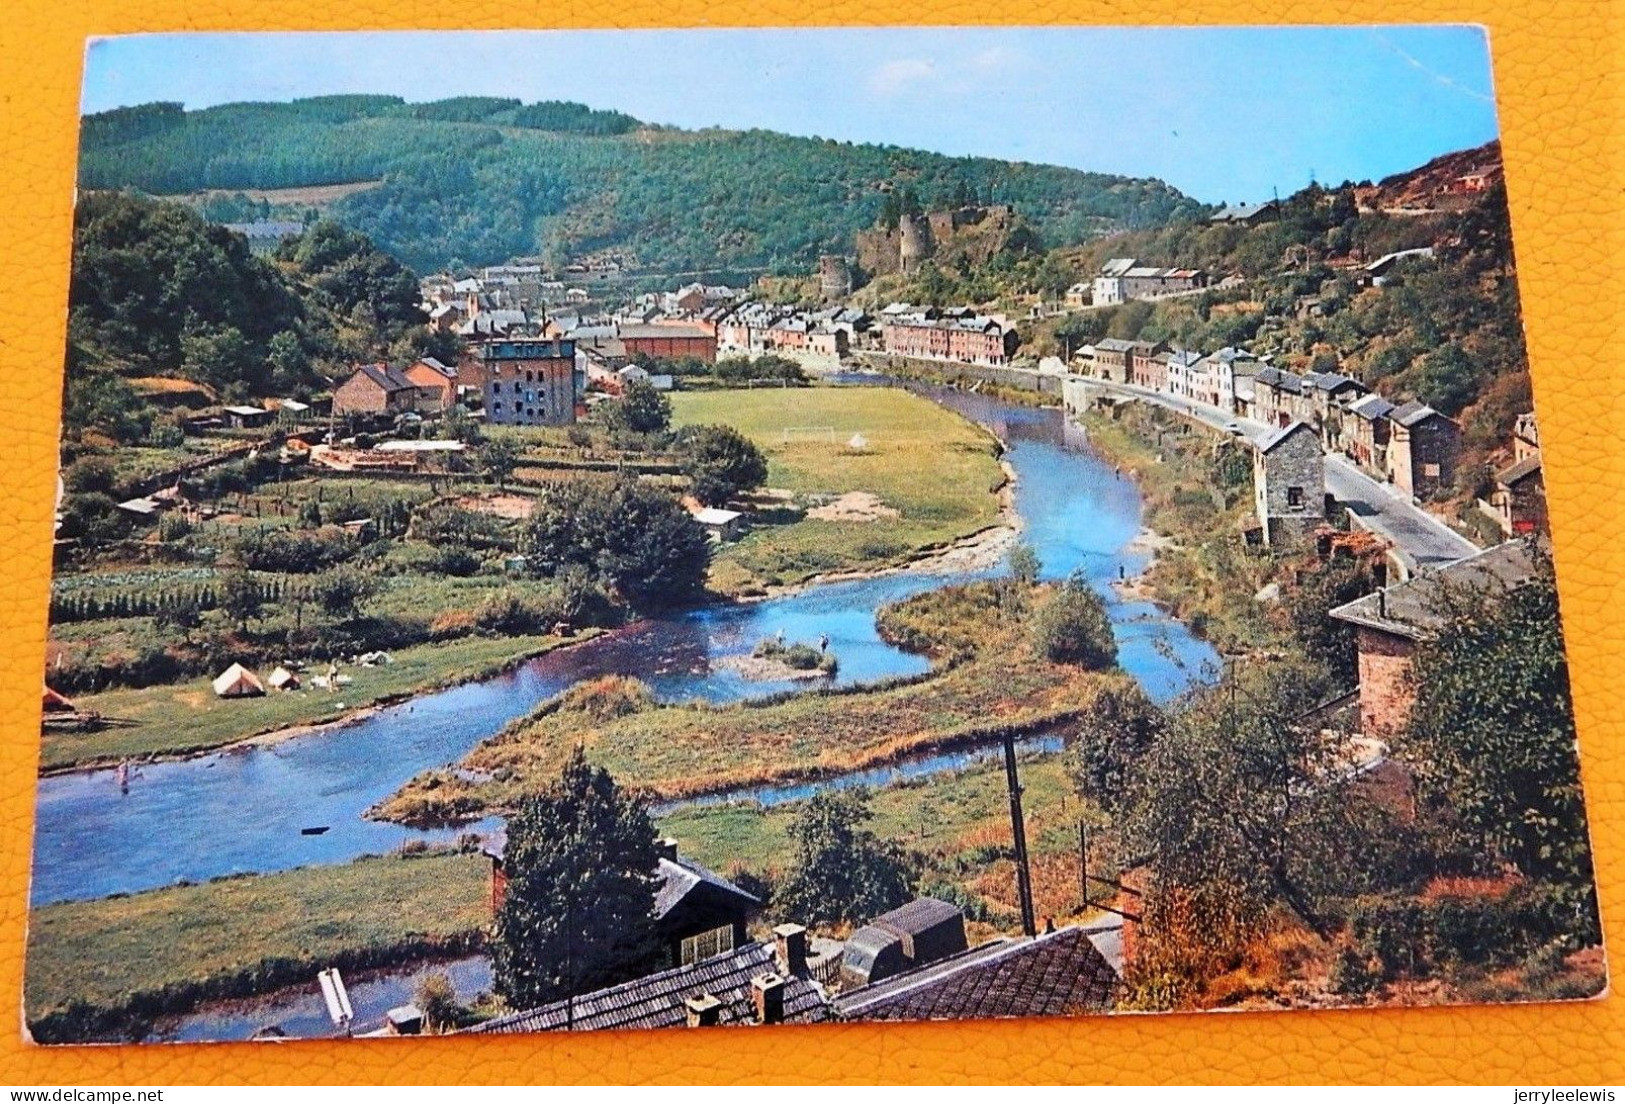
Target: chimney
[704, 1010]
[767, 994]
[666, 848]
[790, 940]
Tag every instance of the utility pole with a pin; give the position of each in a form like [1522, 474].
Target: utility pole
[1018, 832]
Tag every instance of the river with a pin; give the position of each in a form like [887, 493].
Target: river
[246, 809]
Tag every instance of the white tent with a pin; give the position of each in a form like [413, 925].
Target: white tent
[238, 681]
[283, 679]
[858, 442]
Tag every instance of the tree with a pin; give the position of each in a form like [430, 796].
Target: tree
[642, 409]
[342, 592]
[635, 537]
[240, 598]
[498, 459]
[1243, 803]
[1492, 735]
[842, 872]
[1072, 627]
[436, 998]
[1024, 565]
[578, 912]
[1106, 746]
[722, 463]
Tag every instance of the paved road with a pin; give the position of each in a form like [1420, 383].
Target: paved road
[1421, 539]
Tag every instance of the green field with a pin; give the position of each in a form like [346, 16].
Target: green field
[168, 948]
[937, 470]
[995, 682]
[187, 717]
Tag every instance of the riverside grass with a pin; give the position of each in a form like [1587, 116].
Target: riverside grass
[117, 961]
[937, 470]
[674, 751]
[187, 718]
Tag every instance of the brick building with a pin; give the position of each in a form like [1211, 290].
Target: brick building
[1391, 622]
[381, 389]
[530, 382]
[972, 338]
[669, 342]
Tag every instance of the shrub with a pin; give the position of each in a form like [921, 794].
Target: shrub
[1072, 627]
[608, 697]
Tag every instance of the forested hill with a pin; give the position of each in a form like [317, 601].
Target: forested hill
[482, 180]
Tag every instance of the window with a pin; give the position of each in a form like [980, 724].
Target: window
[1294, 498]
[698, 948]
[1430, 471]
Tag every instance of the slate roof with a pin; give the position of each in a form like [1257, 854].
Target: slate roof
[1271, 440]
[1518, 472]
[387, 377]
[1058, 974]
[1411, 413]
[657, 1000]
[1371, 407]
[1241, 212]
[1117, 266]
[1409, 609]
[1114, 345]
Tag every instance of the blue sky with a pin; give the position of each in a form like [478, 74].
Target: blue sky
[1224, 114]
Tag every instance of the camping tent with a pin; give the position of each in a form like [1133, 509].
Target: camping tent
[283, 679]
[56, 703]
[238, 681]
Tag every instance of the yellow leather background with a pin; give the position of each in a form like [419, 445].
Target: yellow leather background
[1559, 81]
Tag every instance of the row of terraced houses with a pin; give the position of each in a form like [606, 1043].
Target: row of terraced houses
[1409, 444]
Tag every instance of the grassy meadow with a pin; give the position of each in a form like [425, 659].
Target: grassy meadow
[187, 717]
[673, 751]
[937, 470]
[166, 949]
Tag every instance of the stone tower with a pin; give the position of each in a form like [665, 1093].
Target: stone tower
[914, 247]
[834, 276]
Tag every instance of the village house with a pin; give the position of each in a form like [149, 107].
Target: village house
[1525, 437]
[1289, 484]
[1111, 359]
[1148, 365]
[959, 335]
[1249, 214]
[1277, 397]
[530, 382]
[381, 389]
[1520, 497]
[1365, 433]
[698, 914]
[434, 378]
[1182, 373]
[1422, 449]
[1391, 622]
[1230, 372]
[1122, 279]
[1079, 295]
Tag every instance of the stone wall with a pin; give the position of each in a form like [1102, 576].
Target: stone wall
[1386, 692]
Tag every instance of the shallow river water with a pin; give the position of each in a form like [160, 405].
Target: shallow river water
[244, 809]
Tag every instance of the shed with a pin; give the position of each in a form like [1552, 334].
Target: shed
[56, 703]
[405, 1020]
[283, 679]
[726, 524]
[238, 681]
[247, 417]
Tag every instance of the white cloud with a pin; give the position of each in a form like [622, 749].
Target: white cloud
[895, 76]
[965, 73]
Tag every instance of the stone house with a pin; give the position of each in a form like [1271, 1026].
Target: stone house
[438, 381]
[1365, 433]
[1148, 365]
[1520, 497]
[1289, 484]
[1422, 449]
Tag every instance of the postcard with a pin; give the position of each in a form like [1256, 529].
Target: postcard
[694, 528]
